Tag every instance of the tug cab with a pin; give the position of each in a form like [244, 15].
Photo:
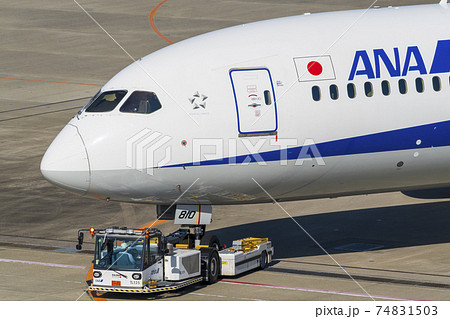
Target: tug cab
[131, 260]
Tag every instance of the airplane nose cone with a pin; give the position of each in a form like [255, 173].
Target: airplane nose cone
[66, 162]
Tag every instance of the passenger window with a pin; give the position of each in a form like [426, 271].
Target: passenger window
[106, 102]
[402, 86]
[419, 85]
[436, 83]
[385, 88]
[351, 92]
[368, 88]
[316, 93]
[141, 102]
[334, 93]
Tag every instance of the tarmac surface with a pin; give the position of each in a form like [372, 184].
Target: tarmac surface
[53, 58]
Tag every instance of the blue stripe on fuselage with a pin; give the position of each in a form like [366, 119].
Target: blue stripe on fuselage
[430, 135]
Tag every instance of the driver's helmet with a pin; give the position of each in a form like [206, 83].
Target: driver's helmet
[124, 245]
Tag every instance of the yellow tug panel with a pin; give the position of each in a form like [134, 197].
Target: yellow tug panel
[250, 243]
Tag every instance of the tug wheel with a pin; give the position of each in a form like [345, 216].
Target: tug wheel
[210, 241]
[213, 267]
[263, 260]
[210, 265]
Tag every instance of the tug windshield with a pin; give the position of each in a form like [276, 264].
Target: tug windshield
[119, 253]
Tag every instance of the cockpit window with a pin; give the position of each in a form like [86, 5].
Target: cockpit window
[90, 102]
[141, 102]
[106, 102]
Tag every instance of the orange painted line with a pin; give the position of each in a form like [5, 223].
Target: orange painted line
[97, 196]
[156, 223]
[151, 17]
[44, 81]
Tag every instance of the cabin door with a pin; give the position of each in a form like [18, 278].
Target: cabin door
[254, 97]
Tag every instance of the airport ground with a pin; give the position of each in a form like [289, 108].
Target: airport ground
[53, 58]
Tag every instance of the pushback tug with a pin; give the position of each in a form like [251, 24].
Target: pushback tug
[145, 261]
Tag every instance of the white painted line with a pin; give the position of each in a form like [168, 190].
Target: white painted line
[37, 279]
[314, 290]
[41, 264]
[226, 297]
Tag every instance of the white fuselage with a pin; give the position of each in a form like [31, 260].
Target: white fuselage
[239, 109]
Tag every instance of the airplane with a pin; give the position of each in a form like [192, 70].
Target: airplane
[311, 106]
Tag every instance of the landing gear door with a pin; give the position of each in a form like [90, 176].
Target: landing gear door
[193, 215]
[254, 97]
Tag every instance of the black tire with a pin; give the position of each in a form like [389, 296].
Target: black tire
[210, 241]
[263, 260]
[213, 267]
[210, 265]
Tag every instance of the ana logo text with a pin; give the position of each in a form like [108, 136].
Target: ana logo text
[400, 65]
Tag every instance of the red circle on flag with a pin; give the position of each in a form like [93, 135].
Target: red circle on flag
[315, 68]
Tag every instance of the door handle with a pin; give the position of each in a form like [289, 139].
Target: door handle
[267, 97]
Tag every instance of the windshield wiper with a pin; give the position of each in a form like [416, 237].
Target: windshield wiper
[118, 273]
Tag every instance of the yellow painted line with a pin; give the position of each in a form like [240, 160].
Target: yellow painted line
[151, 17]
